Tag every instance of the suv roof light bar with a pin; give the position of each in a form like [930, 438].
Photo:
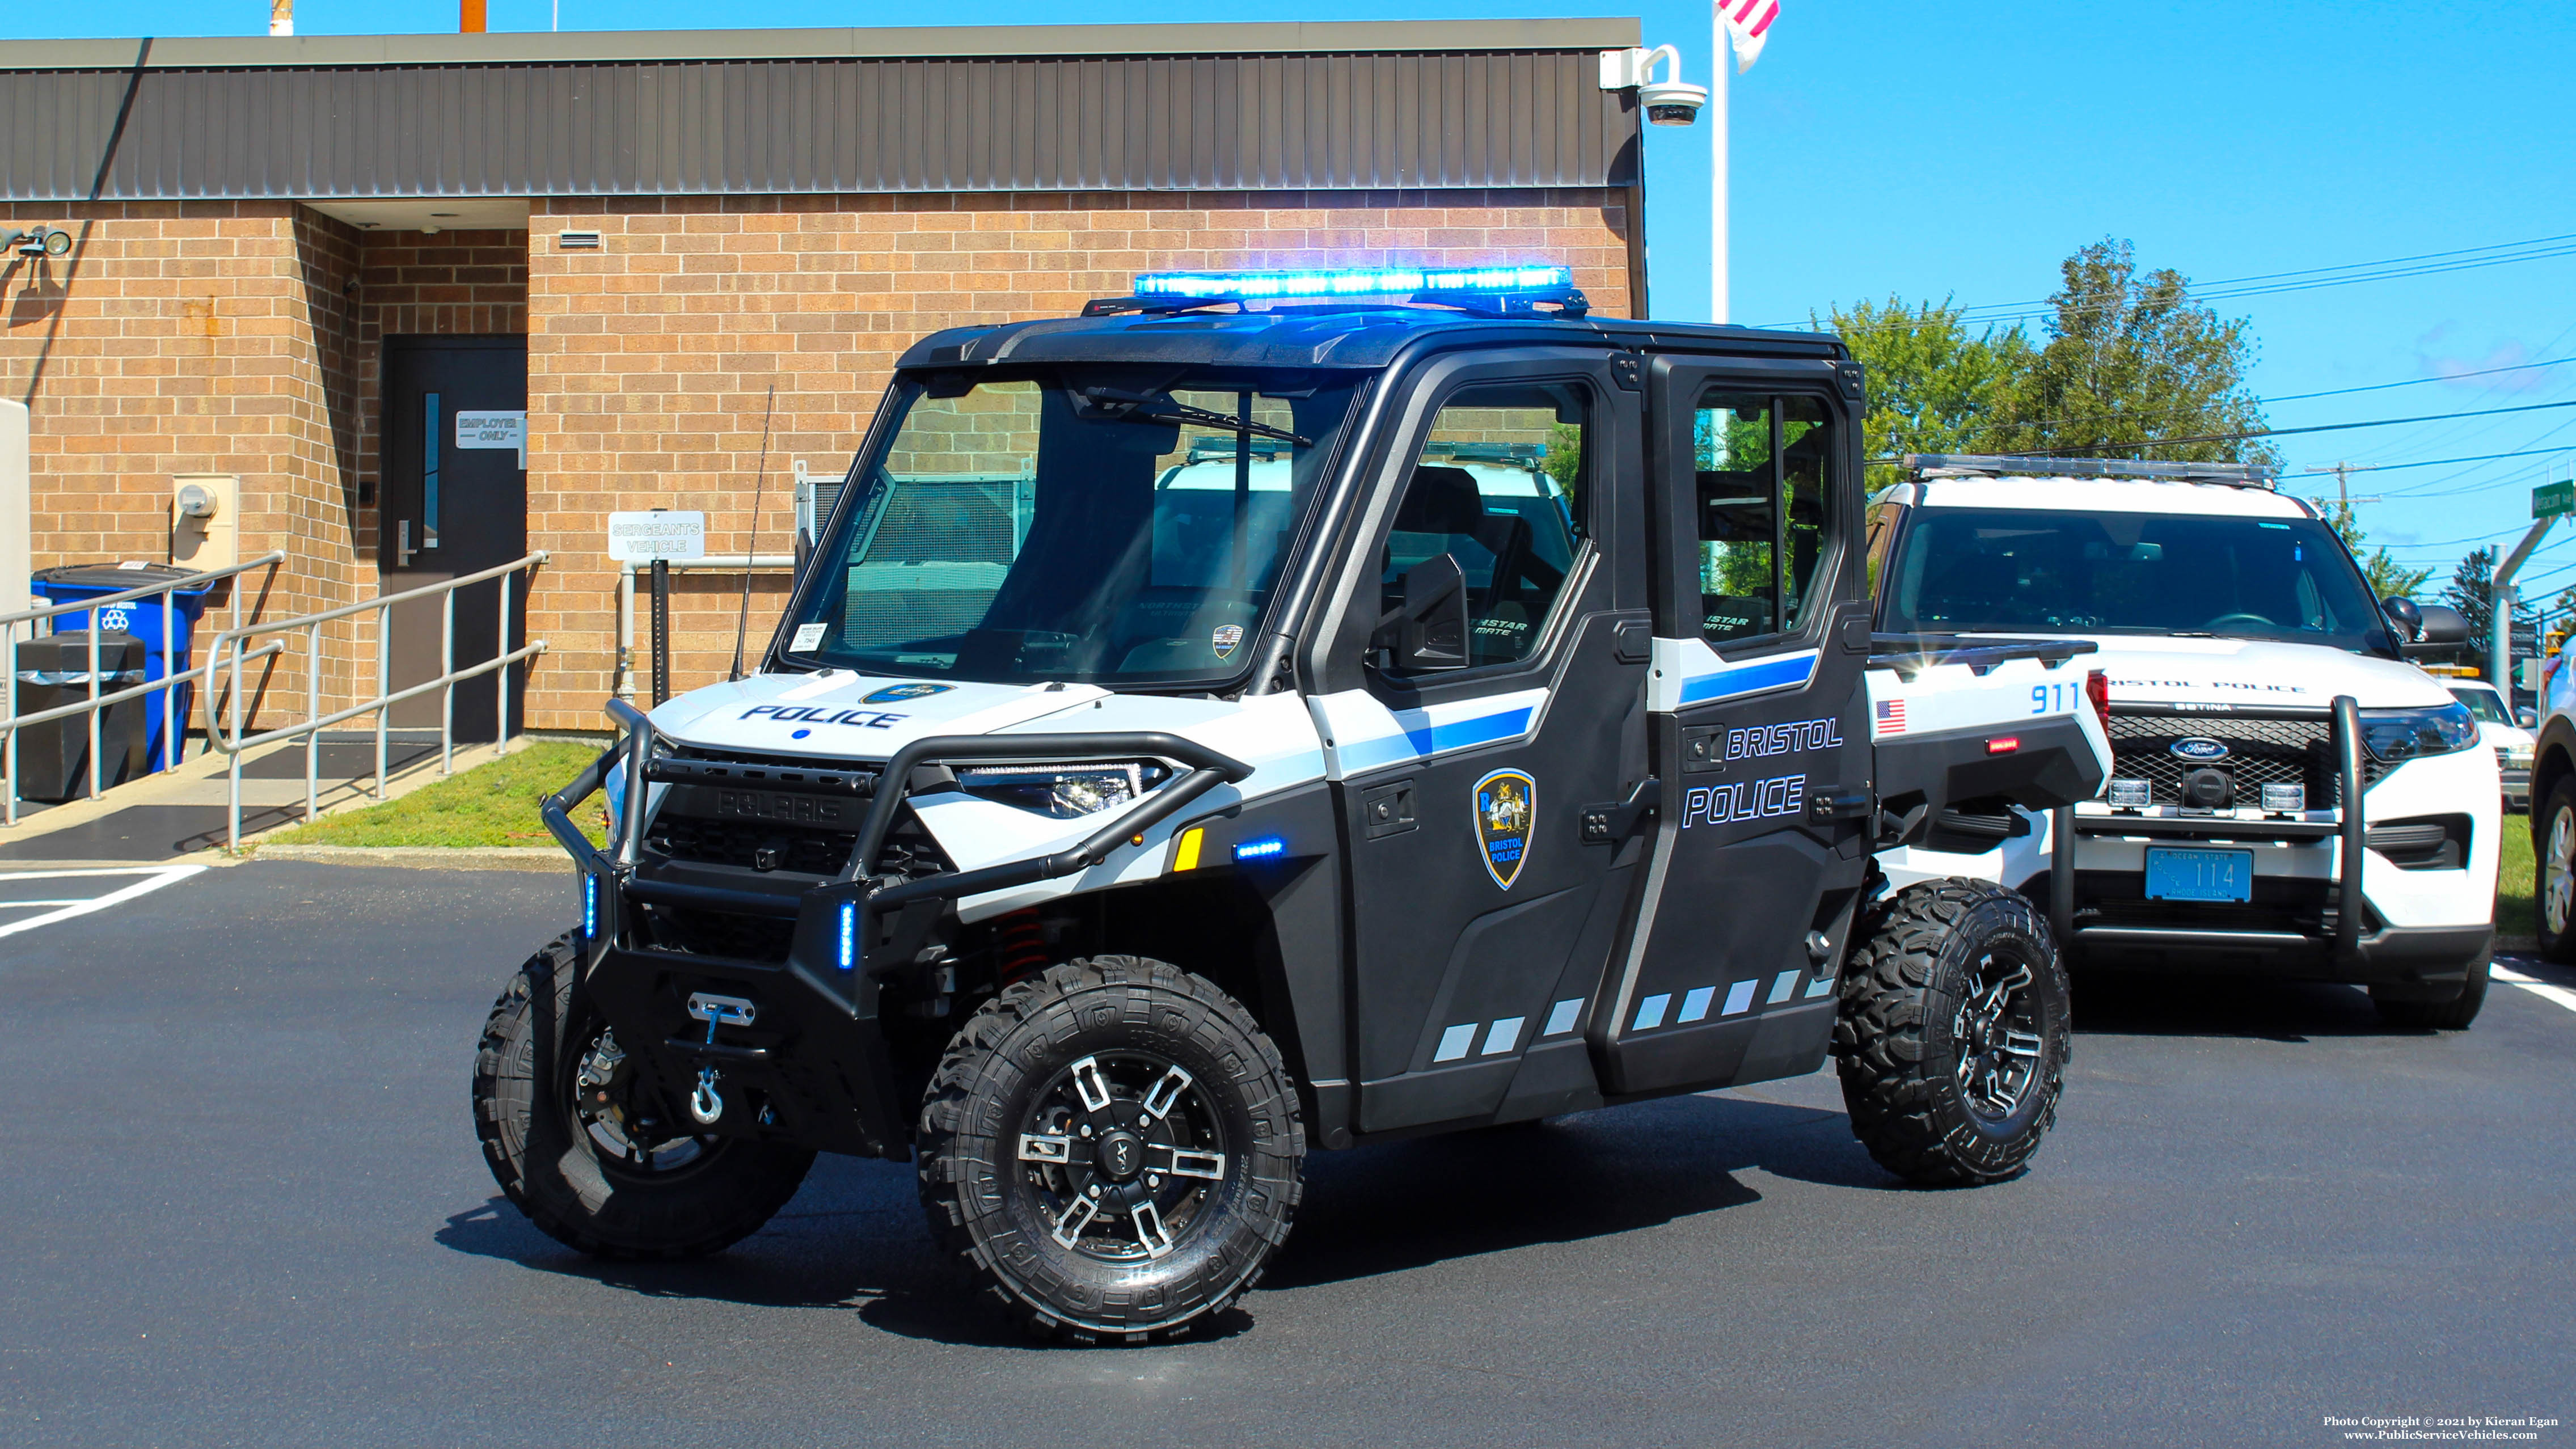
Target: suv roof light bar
[2242, 475]
[1510, 287]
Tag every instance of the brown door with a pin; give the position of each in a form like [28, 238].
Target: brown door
[454, 504]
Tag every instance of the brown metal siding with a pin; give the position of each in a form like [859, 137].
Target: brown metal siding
[1029, 123]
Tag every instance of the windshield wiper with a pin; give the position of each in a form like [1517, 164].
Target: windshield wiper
[1180, 413]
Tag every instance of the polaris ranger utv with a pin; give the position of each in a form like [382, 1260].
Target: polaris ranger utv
[1206, 730]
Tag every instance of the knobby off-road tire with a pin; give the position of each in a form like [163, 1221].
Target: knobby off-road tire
[2553, 871]
[582, 1159]
[2451, 1015]
[1112, 1150]
[1951, 1040]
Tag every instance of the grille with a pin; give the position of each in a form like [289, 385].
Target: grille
[2260, 751]
[681, 831]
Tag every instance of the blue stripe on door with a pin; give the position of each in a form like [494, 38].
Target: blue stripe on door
[1791, 672]
[1431, 739]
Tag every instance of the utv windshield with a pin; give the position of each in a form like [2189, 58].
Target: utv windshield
[1091, 524]
[2023, 571]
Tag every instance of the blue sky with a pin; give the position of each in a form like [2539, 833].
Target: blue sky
[1947, 150]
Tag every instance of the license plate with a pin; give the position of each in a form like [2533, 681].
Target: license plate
[2199, 875]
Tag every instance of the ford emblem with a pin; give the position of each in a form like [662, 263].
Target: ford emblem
[2199, 747]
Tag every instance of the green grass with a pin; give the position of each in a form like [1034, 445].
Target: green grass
[2513, 880]
[491, 804]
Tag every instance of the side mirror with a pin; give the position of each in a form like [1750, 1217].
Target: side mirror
[2442, 625]
[1429, 629]
[2401, 611]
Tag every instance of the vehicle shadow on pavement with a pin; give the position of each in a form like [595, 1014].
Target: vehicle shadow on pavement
[1402, 1205]
[853, 1240]
[2142, 1003]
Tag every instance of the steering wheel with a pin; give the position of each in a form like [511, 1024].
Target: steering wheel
[2223, 620]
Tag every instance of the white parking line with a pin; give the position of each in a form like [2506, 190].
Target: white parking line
[2542, 989]
[154, 878]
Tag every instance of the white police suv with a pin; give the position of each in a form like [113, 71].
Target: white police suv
[2252, 689]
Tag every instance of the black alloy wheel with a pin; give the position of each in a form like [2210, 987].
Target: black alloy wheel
[594, 1161]
[1952, 1036]
[1112, 1149]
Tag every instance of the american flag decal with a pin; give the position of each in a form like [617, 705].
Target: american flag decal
[1891, 716]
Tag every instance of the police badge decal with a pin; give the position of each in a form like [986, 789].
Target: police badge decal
[1506, 812]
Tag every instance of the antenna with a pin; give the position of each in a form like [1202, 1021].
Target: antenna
[751, 544]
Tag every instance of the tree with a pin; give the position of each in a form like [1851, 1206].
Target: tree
[1933, 386]
[2388, 579]
[2472, 592]
[2131, 358]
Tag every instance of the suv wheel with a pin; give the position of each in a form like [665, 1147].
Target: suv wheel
[2449, 1015]
[1952, 1037]
[590, 1159]
[2553, 886]
[1113, 1150]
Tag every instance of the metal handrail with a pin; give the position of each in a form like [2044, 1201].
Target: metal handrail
[172, 748]
[233, 742]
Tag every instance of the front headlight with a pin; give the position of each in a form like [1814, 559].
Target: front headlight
[2394, 736]
[1064, 791]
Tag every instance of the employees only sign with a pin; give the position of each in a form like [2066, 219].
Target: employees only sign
[494, 430]
[663, 533]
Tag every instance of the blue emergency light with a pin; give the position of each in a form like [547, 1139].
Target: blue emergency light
[1501, 281]
[590, 907]
[1262, 849]
[849, 935]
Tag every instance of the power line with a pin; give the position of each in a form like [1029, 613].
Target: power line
[2438, 462]
[2289, 432]
[2416, 381]
[2423, 264]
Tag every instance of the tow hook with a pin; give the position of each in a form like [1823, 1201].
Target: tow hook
[706, 1104]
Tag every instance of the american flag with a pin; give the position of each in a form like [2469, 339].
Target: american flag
[1891, 716]
[1746, 22]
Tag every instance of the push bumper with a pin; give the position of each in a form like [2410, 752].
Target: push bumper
[2322, 927]
[794, 1050]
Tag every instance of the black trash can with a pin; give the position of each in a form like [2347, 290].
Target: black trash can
[53, 757]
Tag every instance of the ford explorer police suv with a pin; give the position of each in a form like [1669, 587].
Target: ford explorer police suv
[1208, 729]
[2288, 795]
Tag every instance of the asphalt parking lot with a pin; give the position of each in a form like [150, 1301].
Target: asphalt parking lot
[244, 1206]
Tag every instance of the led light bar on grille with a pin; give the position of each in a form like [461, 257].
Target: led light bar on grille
[2285, 797]
[2131, 795]
[1505, 281]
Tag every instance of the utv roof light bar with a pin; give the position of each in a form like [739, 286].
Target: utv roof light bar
[1513, 287]
[1958, 465]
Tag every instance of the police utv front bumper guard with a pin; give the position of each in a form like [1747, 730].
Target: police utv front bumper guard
[806, 1061]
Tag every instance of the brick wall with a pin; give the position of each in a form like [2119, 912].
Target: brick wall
[650, 358]
[246, 338]
[187, 338]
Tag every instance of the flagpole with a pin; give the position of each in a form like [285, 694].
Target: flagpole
[1721, 58]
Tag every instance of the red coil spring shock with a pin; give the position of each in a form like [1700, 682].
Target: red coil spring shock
[1021, 944]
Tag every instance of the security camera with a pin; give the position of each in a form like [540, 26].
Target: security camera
[1672, 103]
[1668, 102]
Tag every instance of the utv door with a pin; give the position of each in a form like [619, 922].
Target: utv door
[1757, 728]
[1482, 915]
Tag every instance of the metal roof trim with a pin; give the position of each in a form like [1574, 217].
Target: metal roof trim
[326, 52]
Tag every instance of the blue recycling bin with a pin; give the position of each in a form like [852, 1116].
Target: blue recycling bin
[168, 634]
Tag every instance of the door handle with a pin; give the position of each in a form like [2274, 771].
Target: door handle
[402, 544]
[1608, 824]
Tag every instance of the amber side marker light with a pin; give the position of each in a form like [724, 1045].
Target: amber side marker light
[1185, 849]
